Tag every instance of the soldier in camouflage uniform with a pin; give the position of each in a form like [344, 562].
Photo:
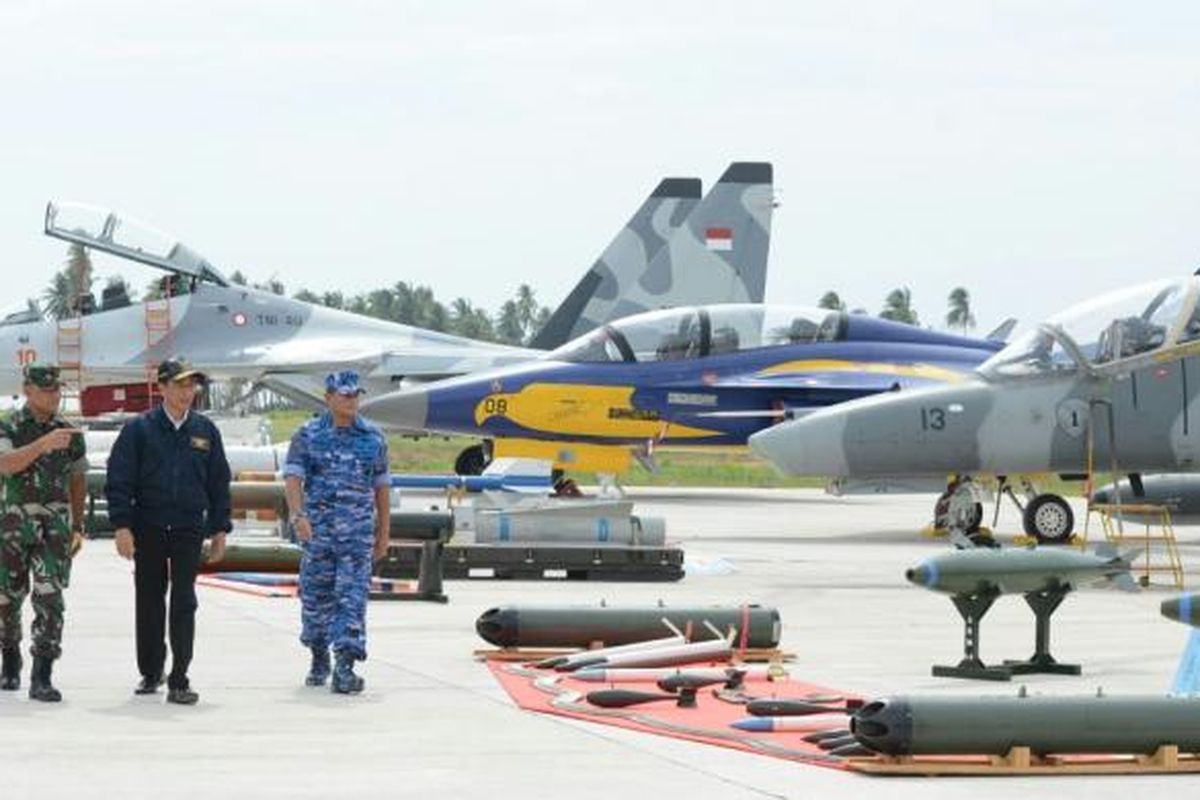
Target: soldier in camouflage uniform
[43, 472]
[337, 492]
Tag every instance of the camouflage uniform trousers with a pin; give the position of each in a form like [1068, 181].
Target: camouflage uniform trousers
[335, 579]
[37, 544]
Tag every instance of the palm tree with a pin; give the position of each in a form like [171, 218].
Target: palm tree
[832, 301]
[898, 307]
[960, 315]
[64, 296]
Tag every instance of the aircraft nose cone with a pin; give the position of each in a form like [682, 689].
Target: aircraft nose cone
[407, 410]
[811, 445]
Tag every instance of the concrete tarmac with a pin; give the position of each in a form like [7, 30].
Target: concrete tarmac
[433, 723]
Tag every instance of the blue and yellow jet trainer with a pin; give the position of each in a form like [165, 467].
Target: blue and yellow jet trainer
[679, 377]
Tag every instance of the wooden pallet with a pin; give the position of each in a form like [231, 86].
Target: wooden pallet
[1020, 761]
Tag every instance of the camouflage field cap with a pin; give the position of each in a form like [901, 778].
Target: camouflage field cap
[42, 375]
[344, 383]
[177, 369]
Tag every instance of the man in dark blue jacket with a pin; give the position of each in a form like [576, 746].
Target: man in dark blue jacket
[168, 490]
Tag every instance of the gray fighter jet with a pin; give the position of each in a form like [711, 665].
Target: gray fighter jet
[237, 332]
[1109, 385]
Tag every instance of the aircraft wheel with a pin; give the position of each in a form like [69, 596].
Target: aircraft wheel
[471, 461]
[1049, 519]
[958, 504]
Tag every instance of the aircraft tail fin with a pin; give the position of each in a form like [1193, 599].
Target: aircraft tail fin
[719, 254]
[1187, 676]
[1002, 331]
[622, 263]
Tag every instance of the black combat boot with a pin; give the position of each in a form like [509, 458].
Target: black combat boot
[40, 687]
[318, 673]
[344, 680]
[10, 672]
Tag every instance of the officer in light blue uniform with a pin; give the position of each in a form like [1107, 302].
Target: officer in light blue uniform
[337, 491]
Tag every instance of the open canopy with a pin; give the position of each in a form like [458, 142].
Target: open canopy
[103, 230]
[1116, 326]
[693, 332]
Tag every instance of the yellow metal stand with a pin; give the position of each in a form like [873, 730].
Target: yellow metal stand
[1155, 521]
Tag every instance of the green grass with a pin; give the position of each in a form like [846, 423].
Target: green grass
[436, 454]
[729, 468]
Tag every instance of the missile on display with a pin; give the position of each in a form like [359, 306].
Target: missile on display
[749, 672]
[777, 724]
[975, 578]
[622, 698]
[1018, 571]
[581, 660]
[691, 653]
[943, 725]
[1185, 608]
[580, 626]
[773, 707]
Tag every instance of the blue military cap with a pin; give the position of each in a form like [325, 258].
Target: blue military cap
[343, 383]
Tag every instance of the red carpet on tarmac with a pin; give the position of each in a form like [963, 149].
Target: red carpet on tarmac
[549, 692]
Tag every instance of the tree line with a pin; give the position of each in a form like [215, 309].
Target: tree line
[898, 307]
[70, 292]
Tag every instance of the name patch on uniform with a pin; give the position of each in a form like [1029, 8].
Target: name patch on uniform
[200, 443]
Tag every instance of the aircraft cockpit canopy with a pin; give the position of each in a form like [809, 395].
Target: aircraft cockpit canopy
[693, 332]
[21, 313]
[1106, 329]
[128, 238]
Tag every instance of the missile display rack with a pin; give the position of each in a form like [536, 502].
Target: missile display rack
[544, 562]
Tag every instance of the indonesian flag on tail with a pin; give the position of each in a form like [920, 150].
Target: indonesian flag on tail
[718, 238]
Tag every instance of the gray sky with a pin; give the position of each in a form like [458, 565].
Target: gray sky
[1032, 152]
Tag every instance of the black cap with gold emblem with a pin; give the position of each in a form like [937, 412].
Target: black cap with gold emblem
[177, 369]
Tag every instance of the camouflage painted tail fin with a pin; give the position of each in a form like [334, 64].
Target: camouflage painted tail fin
[622, 263]
[719, 254]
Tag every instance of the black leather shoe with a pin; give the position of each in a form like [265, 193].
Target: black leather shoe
[148, 684]
[10, 672]
[182, 697]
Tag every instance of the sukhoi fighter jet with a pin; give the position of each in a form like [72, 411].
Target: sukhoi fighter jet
[680, 377]
[1110, 385]
[676, 249]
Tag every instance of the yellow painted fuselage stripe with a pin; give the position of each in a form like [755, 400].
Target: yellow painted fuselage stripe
[572, 409]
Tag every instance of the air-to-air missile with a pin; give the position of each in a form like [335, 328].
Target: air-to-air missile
[1185, 609]
[582, 660]
[942, 725]
[1018, 571]
[975, 578]
[749, 672]
[691, 653]
[581, 626]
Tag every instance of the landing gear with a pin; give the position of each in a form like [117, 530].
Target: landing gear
[1049, 519]
[474, 459]
[959, 507]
